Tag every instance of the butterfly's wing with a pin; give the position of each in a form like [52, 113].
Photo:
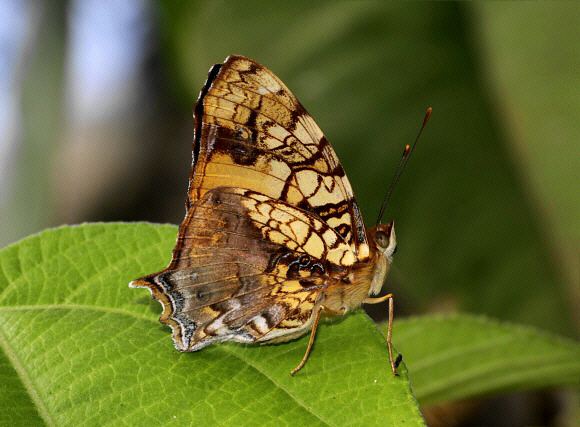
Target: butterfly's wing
[271, 220]
[251, 132]
[250, 269]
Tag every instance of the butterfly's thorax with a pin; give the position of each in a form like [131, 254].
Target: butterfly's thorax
[379, 274]
[363, 280]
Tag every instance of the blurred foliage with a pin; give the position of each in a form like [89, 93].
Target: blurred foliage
[533, 69]
[31, 202]
[455, 357]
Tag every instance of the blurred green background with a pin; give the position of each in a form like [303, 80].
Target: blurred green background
[95, 124]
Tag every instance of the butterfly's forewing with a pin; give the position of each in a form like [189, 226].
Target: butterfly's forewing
[251, 132]
[271, 220]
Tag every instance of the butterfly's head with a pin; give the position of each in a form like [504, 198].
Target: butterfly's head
[385, 240]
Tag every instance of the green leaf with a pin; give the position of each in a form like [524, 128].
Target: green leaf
[79, 347]
[459, 356]
[531, 81]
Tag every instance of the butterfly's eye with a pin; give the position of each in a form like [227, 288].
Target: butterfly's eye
[382, 239]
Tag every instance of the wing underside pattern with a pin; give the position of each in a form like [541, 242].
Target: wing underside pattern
[255, 134]
[250, 269]
[271, 219]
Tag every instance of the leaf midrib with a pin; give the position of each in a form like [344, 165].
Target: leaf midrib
[31, 388]
[26, 380]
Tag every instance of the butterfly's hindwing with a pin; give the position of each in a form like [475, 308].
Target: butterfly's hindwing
[249, 268]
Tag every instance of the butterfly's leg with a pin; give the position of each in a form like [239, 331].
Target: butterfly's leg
[394, 362]
[310, 341]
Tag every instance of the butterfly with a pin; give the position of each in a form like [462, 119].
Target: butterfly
[273, 238]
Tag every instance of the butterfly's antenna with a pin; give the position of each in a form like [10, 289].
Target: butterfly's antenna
[402, 163]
